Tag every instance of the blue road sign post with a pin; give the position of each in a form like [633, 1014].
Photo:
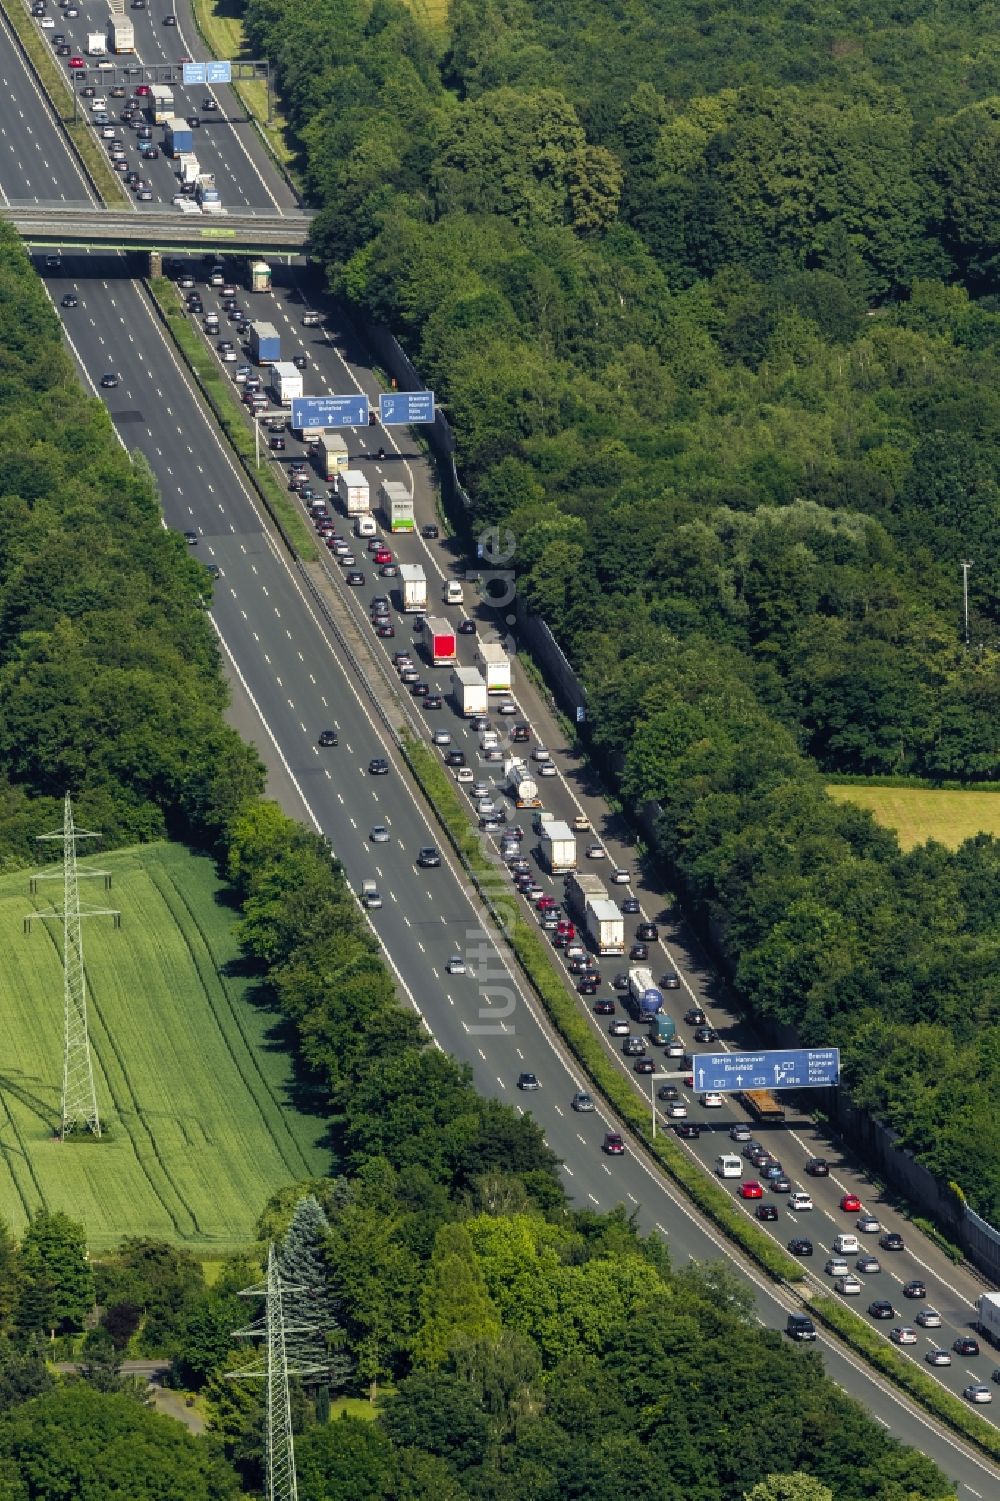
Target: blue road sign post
[784, 1068]
[405, 408]
[330, 411]
[207, 72]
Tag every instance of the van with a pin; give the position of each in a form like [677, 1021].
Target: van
[489, 740]
[452, 592]
[800, 1326]
[98, 102]
[846, 1245]
[364, 526]
[728, 1165]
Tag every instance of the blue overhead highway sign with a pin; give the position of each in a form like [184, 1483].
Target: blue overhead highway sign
[403, 408]
[778, 1068]
[207, 72]
[330, 411]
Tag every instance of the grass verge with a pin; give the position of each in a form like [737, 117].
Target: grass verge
[194, 1092]
[220, 26]
[534, 958]
[229, 413]
[904, 1374]
[60, 96]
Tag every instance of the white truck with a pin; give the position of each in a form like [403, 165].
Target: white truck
[97, 45]
[451, 592]
[352, 492]
[332, 455]
[558, 847]
[520, 784]
[121, 34]
[988, 1316]
[397, 505]
[494, 664]
[370, 895]
[206, 194]
[605, 925]
[584, 888]
[188, 168]
[286, 382]
[469, 691]
[413, 587]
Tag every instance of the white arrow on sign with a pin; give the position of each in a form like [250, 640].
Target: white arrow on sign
[739, 1081]
[701, 1078]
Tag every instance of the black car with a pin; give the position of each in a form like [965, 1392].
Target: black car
[818, 1167]
[328, 737]
[800, 1246]
[604, 1008]
[705, 1034]
[966, 1345]
[633, 1047]
[881, 1309]
[630, 906]
[209, 104]
[587, 986]
[300, 362]
[70, 300]
[276, 443]
[688, 1129]
[355, 579]
[620, 982]
[527, 1081]
[766, 1211]
[429, 531]
[454, 758]
[194, 121]
[891, 1241]
[914, 1289]
[669, 981]
[427, 857]
[668, 1092]
[638, 951]
[191, 538]
[433, 701]
[694, 1016]
[378, 766]
[110, 380]
[647, 932]
[467, 628]
[644, 1066]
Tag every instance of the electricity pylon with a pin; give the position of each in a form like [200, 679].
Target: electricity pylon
[79, 1098]
[274, 1370]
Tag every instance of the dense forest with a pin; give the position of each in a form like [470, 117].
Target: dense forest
[708, 294]
[518, 1347]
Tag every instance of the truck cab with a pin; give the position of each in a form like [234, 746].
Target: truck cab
[370, 895]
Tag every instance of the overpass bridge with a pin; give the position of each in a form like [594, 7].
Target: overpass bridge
[81, 226]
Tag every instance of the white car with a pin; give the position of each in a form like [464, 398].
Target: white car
[47, 23]
[464, 774]
[849, 1286]
[977, 1393]
[620, 877]
[799, 1200]
[903, 1336]
[441, 737]
[928, 1318]
[456, 965]
[540, 754]
[712, 1101]
[676, 1111]
[547, 769]
[581, 823]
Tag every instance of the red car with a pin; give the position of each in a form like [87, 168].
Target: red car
[77, 62]
[566, 930]
[751, 1189]
[383, 555]
[613, 1144]
[142, 90]
[850, 1204]
[545, 902]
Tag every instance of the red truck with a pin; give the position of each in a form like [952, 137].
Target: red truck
[442, 642]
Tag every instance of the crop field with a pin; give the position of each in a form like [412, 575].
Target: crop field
[194, 1091]
[921, 813]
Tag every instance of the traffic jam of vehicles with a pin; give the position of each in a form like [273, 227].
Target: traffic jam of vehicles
[425, 615]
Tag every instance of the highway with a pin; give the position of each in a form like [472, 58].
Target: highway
[292, 677]
[35, 165]
[226, 142]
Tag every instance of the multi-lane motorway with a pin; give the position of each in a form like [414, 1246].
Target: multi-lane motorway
[292, 681]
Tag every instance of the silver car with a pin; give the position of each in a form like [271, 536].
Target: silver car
[583, 1102]
[379, 834]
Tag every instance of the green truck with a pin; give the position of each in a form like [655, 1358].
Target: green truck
[662, 1029]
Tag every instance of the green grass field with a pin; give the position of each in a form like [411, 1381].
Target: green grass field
[195, 1095]
[921, 813]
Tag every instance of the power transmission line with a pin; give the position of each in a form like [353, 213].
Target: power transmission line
[274, 1370]
[79, 1097]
